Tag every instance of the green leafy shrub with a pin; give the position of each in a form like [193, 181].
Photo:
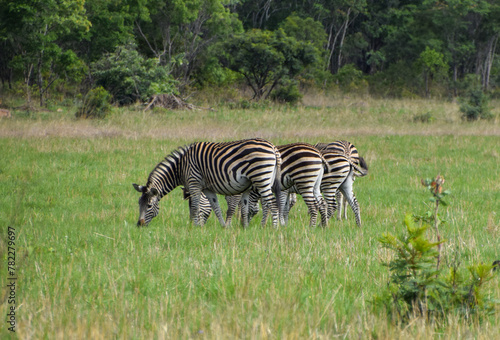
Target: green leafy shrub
[423, 118]
[129, 77]
[96, 104]
[418, 285]
[475, 105]
[288, 93]
[349, 78]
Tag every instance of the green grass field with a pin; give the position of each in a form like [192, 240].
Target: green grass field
[86, 271]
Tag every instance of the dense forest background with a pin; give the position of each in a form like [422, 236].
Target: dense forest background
[131, 50]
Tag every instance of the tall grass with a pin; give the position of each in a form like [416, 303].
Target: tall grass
[86, 271]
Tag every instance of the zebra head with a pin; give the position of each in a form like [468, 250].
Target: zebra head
[148, 204]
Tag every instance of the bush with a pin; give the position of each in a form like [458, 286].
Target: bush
[288, 93]
[129, 77]
[96, 104]
[418, 286]
[349, 78]
[475, 106]
[423, 118]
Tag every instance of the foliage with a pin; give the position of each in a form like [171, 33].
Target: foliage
[349, 77]
[265, 58]
[433, 66]
[96, 104]
[305, 30]
[424, 118]
[401, 48]
[475, 105]
[129, 77]
[418, 286]
[287, 93]
[181, 33]
[112, 26]
[35, 32]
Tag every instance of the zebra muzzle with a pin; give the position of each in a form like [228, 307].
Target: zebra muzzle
[141, 223]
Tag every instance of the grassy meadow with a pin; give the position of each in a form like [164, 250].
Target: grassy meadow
[86, 271]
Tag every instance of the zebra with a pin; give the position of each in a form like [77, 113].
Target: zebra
[302, 170]
[347, 163]
[228, 168]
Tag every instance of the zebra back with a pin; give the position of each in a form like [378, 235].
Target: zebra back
[347, 149]
[301, 171]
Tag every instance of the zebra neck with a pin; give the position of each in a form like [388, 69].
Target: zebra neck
[165, 177]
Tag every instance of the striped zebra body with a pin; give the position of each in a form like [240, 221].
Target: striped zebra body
[345, 163]
[229, 168]
[302, 169]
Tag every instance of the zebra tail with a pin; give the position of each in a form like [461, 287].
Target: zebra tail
[277, 184]
[325, 164]
[363, 164]
[360, 170]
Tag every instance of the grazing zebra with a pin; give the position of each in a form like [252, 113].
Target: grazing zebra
[302, 169]
[229, 168]
[343, 166]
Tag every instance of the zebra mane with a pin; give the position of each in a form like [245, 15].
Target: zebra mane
[168, 162]
[177, 153]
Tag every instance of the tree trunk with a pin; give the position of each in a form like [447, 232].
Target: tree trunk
[39, 71]
[346, 23]
[489, 62]
[27, 77]
[331, 46]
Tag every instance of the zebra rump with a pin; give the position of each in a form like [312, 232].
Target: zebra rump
[347, 164]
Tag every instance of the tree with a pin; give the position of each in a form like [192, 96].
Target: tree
[129, 77]
[336, 17]
[112, 26]
[432, 64]
[265, 58]
[178, 32]
[34, 30]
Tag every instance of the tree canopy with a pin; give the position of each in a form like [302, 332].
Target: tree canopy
[423, 46]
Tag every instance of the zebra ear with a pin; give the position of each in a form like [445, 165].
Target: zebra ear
[139, 188]
[154, 192]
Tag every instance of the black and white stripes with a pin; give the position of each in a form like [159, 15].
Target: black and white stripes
[248, 170]
[229, 168]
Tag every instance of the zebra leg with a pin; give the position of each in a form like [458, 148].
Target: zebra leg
[286, 206]
[320, 202]
[195, 199]
[341, 204]
[344, 206]
[329, 191]
[232, 205]
[269, 202]
[346, 189]
[307, 193]
[244, 208]
[204, 209]
[253, 207]
[214, 203]
[265, 214]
